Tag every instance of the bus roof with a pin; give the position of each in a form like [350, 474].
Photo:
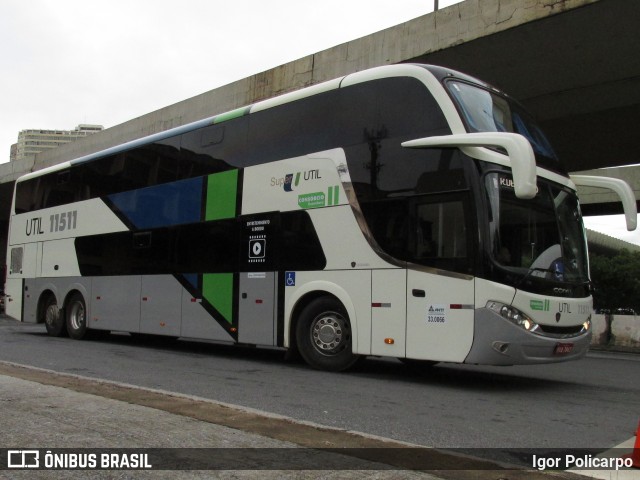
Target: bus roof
[429, 74]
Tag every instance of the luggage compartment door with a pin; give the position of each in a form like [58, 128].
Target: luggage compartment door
[256, 319]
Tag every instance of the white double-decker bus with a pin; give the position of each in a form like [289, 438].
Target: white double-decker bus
[407, 211]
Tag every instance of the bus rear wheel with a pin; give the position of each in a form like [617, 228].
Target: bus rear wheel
[323, 335]
[76, 311]
[53, 318]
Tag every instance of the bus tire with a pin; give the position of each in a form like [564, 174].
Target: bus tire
[323, 335]
[53, 318]
[76, 313]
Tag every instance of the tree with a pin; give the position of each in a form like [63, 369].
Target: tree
[616, 280]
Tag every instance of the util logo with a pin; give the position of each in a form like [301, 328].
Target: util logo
[291, 179]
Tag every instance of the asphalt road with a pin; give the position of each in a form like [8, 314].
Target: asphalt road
[592, 403]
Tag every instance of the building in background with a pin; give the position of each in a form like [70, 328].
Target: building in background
[31, 142]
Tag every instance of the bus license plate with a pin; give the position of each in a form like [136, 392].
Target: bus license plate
[563, 348]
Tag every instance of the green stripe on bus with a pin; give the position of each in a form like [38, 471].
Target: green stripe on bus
[217, 289]
[333, 195]
[223, 117]
[222, 192]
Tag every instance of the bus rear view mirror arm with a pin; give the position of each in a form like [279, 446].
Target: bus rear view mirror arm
[620, 187]
[518, 148]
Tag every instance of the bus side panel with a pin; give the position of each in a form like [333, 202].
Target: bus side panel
[388, 312]
[115, 303]
[197, 322]
[30, 298]
[160, 311]
[22, 265]
[59, 259]
[13, 300]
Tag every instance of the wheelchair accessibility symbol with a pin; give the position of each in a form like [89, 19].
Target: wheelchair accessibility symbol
[290, 279]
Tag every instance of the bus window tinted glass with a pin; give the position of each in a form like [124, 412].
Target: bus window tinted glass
[485, 111]
[542, 237]
[213, 149]
[430, 230]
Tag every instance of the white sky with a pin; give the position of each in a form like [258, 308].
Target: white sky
[614, 226]
[66, 62]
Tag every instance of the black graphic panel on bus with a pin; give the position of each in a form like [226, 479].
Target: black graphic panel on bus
[260, 241]
[288, 242]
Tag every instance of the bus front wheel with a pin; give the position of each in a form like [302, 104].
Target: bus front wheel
[76, 316]
[323, 335]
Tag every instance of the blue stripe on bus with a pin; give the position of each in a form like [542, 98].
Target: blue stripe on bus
[191, 279]
[162, 205]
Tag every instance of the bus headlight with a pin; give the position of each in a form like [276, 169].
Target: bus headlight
[514, 315]
[586, 326]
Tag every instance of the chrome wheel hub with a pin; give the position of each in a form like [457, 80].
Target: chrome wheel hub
[76, 316]
[328, 333]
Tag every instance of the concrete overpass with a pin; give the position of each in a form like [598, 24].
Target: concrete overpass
[572, 63]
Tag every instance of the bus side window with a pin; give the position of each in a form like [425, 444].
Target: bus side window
[441, 235]
[61, 188]
[389, 224]
[213, 149]
[27, 195]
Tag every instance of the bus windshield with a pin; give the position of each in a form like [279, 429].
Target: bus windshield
[542, 238]
[486, 111]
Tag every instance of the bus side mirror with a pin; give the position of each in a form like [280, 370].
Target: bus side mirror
[620, 187]
[519, 152]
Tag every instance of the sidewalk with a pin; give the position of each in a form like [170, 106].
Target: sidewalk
[36, 416]
[43, 410]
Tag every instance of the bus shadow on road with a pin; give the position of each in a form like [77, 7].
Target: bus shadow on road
[480, 378]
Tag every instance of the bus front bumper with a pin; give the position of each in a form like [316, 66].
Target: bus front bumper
[497, 341]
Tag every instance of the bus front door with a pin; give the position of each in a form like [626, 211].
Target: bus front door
[440, 312]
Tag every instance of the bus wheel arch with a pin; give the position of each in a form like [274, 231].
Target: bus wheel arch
[50, 313]
[322, 332]
[75, 315]
[299, 306]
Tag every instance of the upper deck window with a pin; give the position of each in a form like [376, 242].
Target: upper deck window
[487, 111]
